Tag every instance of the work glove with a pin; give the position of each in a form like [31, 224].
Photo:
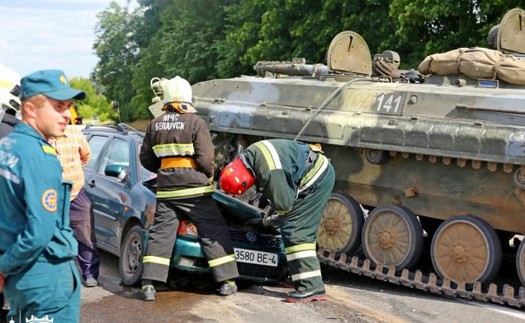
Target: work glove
[272, 220]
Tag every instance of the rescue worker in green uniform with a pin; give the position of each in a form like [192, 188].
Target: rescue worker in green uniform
[178, 146]
[297, 179]
[37, 247]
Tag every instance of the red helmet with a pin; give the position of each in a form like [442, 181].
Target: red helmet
[235, 178]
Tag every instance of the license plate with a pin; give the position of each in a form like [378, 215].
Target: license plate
[256, 257]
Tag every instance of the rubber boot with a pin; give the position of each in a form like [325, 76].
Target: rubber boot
[227, 288]
[148, 291]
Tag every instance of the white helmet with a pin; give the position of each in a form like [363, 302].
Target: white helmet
[177, 90]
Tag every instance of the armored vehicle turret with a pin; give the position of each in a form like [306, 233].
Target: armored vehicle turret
[433, 154]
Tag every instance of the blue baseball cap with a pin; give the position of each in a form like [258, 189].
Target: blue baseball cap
[51, 83]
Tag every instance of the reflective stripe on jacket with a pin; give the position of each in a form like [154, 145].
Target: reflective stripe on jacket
[283, 169]
[174, 135]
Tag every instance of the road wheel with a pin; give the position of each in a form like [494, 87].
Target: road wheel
[341, 225]
[377, 157]
[392, 236]
[520, 262]
[130, 262]
[466, 249]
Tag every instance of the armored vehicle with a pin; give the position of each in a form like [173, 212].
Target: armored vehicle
[437, 153]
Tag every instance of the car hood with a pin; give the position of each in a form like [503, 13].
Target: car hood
[231, 205]
[237, 208]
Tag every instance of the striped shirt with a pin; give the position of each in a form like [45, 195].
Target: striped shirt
[73, 153]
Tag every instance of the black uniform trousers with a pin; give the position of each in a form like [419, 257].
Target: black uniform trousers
[213, 237]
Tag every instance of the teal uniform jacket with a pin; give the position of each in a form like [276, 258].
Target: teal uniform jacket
[34, 203]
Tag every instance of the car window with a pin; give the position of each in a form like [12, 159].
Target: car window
[96, 143]
[118, 154]
[145, 175]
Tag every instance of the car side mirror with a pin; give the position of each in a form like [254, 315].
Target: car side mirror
[120, 172]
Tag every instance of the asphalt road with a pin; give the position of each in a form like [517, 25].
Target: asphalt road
[353, 298]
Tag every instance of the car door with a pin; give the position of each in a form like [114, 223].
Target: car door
[110, 195]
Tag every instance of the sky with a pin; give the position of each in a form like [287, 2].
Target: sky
[50, 34]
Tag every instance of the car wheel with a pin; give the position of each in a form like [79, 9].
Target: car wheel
[130, 262]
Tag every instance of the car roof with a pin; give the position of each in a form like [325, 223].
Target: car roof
[120, 128]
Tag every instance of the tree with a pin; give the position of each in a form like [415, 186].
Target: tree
[285, 29]
[180, 45]
[242, 25]
[94, 103]
[148, 37]
[425, 27]
[118, 54]
[189, 30]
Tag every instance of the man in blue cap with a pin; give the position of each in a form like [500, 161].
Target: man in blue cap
[37, 247]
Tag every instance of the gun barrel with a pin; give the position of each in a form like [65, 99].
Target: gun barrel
[293, 68]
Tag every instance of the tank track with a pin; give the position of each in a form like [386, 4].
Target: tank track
[427, 282]
[504, 294]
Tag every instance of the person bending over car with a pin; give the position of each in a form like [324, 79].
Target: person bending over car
[297, 179]
[178, 146]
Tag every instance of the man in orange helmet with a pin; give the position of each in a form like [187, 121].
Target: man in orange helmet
[297, 179]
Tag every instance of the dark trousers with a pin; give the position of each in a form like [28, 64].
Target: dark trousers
[82, 222]
[213, 237]
[299, 233]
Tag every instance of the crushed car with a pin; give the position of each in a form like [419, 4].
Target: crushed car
[123, 196]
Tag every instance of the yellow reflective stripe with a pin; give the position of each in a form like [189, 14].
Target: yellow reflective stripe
[306, 275]
[49, 150]
[270, 154]
[156, 260]
[173, 149]
[185, 192]
[221, 261]
[300, 247]
[283, 212]
[302, 254]
[313, 174]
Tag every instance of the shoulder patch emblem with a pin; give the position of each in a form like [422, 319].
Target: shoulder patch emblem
[49, 200]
